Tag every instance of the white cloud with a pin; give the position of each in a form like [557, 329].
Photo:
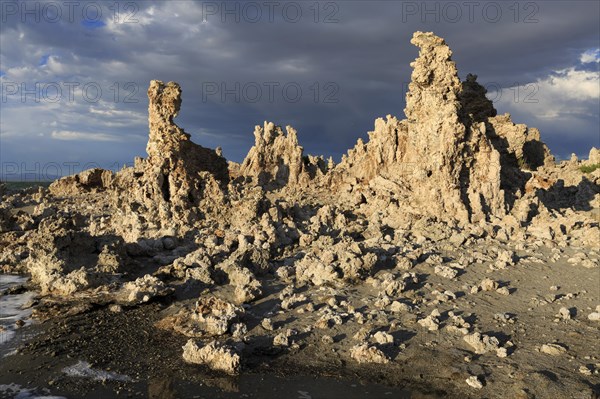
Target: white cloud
[563, 94]
[56, 66]
[590, 56]
[68, 135]
[126, 117]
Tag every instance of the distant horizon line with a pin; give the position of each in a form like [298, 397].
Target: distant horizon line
[23, 177]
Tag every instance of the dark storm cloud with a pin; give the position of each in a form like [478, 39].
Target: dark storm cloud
[350, 71]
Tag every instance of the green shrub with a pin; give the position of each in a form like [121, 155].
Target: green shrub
[589, 168]
[523, 164]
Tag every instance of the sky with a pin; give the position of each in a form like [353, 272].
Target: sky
[74, 75]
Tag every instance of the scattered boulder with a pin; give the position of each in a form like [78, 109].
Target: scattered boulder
[216, 356]
[431, 322]
[474, 382]
[364, 353]
[383, 338]
[284, 338]
[446, 272]
[553, 349]
[595, 316]
[209, 317]
[482, 343]
[488, 284]
[143, 289]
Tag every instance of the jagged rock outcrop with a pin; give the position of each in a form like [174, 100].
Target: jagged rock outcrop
[368, 354]
[276, 160]
[381, 156]
[453, 158]
[521, 143]
[519, 147]
[447, 165]
[168, 187]
[89, 180]
[594, 157]
[62, 258]
[473, 100]
[167, 140]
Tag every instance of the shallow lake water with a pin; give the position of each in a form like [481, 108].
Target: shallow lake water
[11, 308]
[274, 387]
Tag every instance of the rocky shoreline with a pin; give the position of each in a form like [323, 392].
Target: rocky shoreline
[448, 256]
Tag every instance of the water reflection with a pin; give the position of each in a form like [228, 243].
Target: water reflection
[273, 387]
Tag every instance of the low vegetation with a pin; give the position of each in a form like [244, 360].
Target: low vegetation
[589, 168]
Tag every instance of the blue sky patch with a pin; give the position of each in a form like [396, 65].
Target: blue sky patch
[44, 59]
[93, 24]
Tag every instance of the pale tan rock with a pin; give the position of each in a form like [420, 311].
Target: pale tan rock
[473, 382]
[267, 324]
[594, 316]
[564, 313]
[383, 338]
[553, 349]
[143, 289]
[501, 352]
[524, 145]
[312, 269]
[216, 314]
[488, 284]
[276, 160]
[61, 257]
[362, 334]
[210, 316]
[292, 301]
[442, 297]
[169, 188]
[446, 271]
[238, 330]
[216, 356]
[444, 160]
[399, 307]
[403, 263]
[364, 353]
[482, 343]
[84, 182]
[431, 322]
[53, 282]
[283, 338]
[389, 285]
[594, 156]
[247, 286]
[328, 320]
[457, 325]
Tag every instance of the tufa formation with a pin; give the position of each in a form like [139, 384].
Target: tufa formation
[403, 252]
